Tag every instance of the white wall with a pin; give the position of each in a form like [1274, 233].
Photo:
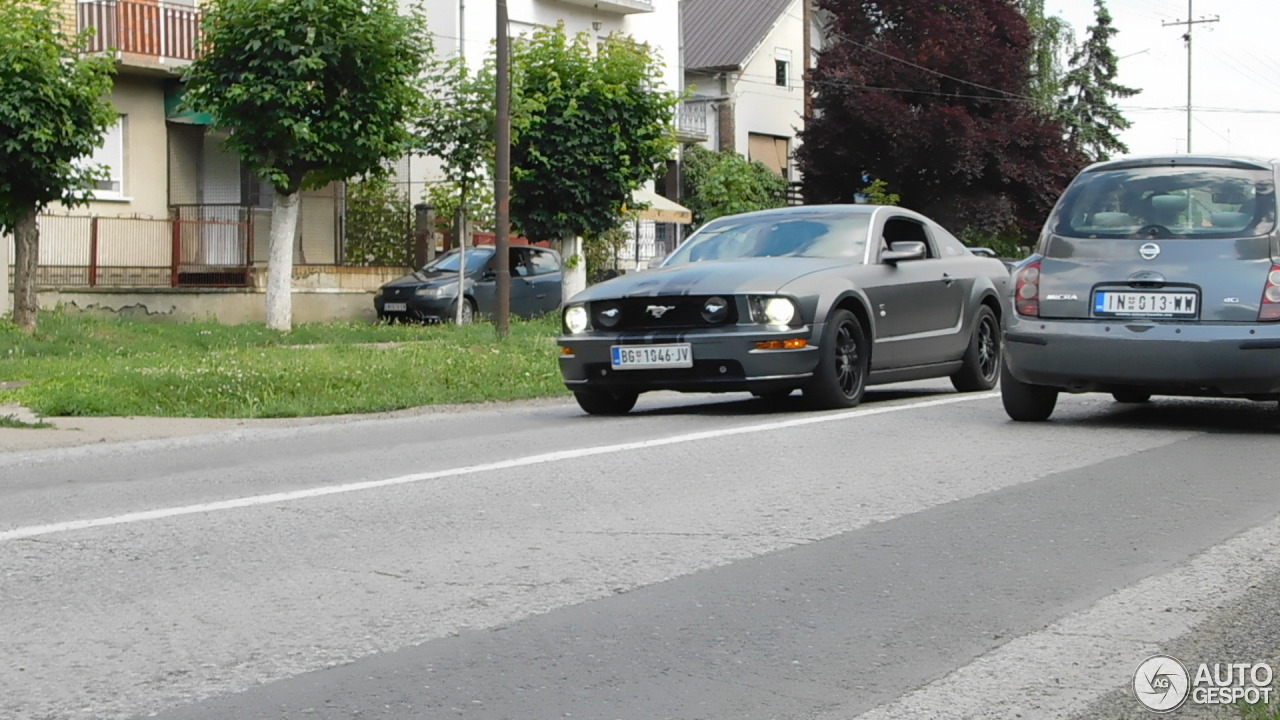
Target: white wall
[761, 106]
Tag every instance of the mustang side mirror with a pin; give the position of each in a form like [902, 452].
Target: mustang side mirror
[900, 251]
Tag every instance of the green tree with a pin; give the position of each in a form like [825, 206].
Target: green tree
[724, 183]
[379, 225]
[1052, 41]
[457, 127]
[588, 127]
[53, 112]
[1089, 86]
[313, 91]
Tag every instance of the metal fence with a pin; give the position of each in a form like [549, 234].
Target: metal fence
[196, 248]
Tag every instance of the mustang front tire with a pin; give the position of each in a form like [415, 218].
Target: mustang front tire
[1025, 402]
[841, 376]
[606, 402]
[981, 366]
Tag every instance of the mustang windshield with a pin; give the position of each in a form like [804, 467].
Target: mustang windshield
[817, 235]
[1177, 202]
[476, 258]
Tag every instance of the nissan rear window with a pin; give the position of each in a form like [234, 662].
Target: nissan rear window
[1168, 202]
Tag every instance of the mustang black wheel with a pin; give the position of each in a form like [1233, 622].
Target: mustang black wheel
[1025, 402]
[1131, 396]
[468, 311]
[841, 376]
[981, 365]
[606, 402]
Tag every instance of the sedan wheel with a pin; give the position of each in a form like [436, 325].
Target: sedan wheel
[981, 365]
[606, 402]
[841, 376]
[468, 311]
[1025, 402]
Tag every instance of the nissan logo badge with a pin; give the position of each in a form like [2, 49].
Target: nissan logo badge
[1149, 251]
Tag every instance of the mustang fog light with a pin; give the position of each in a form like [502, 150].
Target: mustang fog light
[607, 314]
[575, 319]
[715, 310]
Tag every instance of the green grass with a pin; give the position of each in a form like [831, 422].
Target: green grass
[81, 364]
[1259, 711]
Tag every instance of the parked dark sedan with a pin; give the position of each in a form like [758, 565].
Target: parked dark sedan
[431, 294]
[825, 299]
[1153, 276]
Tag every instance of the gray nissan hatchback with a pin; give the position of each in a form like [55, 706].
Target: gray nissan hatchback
[1152, 276]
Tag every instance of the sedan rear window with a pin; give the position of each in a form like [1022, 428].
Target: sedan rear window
[1168, 202]
[809, 235]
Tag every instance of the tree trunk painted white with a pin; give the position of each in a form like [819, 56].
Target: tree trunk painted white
[26, 256]
[573, 279]
[6, 300]
[284, 224]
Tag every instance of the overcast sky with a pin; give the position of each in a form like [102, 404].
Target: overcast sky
[1235, 82]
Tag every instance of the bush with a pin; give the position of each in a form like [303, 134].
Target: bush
[379, 224]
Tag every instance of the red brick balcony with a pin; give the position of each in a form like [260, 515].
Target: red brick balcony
[143, 34]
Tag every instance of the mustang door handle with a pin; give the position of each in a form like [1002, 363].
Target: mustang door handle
[947, 279]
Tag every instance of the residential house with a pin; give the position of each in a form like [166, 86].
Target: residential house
[177, 210]
[179, 213]
[746, 68]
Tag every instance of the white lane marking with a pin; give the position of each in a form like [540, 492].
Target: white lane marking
[1074, 662]
[256, 500]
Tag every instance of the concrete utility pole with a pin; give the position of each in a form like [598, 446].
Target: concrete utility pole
[1187, 36]
[502, 172]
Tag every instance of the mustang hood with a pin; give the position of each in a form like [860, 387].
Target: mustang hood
[726, 277]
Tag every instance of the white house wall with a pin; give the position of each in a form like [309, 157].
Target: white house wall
[761, 106]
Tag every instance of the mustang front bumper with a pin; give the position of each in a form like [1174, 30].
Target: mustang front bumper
[725, 359]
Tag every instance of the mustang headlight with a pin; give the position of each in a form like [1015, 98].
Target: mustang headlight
[575, 319]
[773, 310]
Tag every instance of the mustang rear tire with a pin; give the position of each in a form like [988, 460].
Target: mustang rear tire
[841, 376]
[981, 366]
[606, 402]
[1025, 402]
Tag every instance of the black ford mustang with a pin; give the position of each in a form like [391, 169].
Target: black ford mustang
[825, 299]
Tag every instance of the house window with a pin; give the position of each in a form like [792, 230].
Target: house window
[782, 67]
[110, 156]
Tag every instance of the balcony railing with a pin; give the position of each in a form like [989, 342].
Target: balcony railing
[692, 119]
[158, 31]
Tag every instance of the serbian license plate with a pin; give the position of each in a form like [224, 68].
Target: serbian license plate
[395, 307]
[1145, 304]
[632, 357]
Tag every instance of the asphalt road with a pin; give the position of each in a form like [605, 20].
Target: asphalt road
[704, 557]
